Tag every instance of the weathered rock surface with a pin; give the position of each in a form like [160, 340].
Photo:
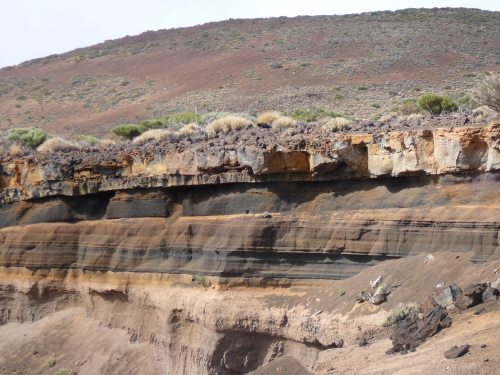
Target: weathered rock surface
[412, 331]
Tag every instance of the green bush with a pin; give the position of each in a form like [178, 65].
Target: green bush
[276, 65]
[30, 137]
[51, 362]
[92, 140]
[338, 96]
[436, 104]
[310, 115]
[375, 105]
[174, 120]
[128, 131]
[64, 371]
[201, 280]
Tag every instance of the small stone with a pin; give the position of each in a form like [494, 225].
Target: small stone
[421, 316]
[363, 342]
[428, 258]
[456, 351]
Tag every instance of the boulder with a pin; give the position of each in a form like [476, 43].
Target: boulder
[490, 294]
[377, 299]
[471, 296]
[412, 331]
[447, 296]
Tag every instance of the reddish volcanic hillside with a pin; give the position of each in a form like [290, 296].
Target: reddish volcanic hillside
[356, 64]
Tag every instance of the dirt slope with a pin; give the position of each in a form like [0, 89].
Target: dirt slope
[344, 63]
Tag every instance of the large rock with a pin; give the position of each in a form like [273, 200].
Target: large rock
[447, 296]
[471, 296]
[412, 331]
[490, 294]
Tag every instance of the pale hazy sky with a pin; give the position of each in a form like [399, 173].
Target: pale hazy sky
[37, 28]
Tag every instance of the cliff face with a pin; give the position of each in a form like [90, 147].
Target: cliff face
[122, 229]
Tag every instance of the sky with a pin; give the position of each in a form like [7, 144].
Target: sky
[38, 28]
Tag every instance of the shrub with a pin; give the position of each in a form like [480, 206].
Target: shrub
[268, 117]
[30, 137]
[201, 280]
[90, 139]
[416, 88]
[304, 114]
[338, 96]
[191, 131]
[341, 292]
[156, 134]
[51, 362]
[436, 104]
[310, 115]
[22, 97]
[276, 65]
[226, 124]
[34, 352]
[408, 109]
[174, 120]
[488, 93]
[400, 312]
[375, 105]
[336, 124]
[284, 122]
[362, 88]
[128, 131]
[65, 371]
[56, 144]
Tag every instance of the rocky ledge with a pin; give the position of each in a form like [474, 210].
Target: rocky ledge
[250, 156]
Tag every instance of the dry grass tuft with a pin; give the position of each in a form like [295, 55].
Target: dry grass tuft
[226, 124]
[105, 143]
[283, 123]
[408, 109]
[156, 134]
[17, 149]
[336, 124]
[57, 144]
[483, 113]
[268, 117]
[191, 131]
[400, 312]
[388, 118]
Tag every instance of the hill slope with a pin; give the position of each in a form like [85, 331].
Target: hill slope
[344, 63]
